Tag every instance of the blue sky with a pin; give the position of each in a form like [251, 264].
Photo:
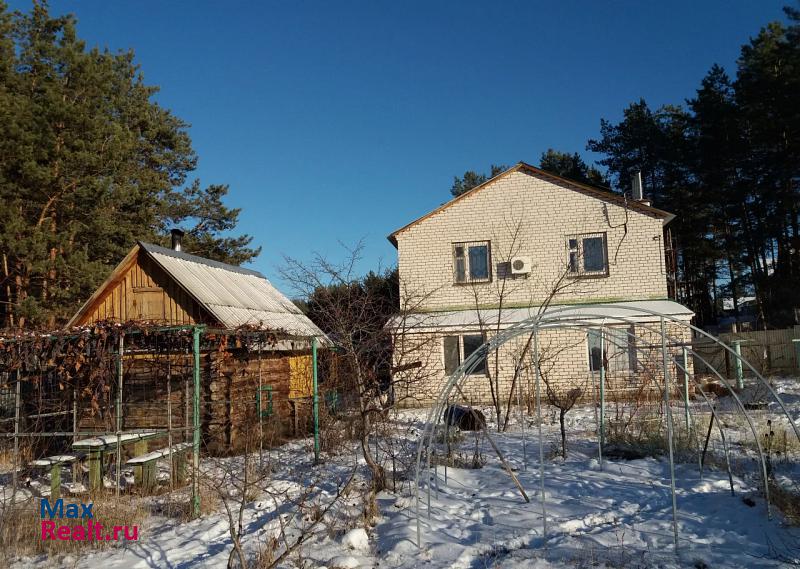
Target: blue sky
[339, 121]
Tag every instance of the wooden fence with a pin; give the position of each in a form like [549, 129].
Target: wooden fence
[769, 351]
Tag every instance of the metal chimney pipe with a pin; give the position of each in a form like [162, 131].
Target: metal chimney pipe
[177, 236]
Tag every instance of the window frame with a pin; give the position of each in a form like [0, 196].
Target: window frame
[457, 339]
[481, 370]
[464, 258]
[477, 371]
[576, 267]
[617, 360]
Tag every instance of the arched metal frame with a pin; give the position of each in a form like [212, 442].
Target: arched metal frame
[583, 318]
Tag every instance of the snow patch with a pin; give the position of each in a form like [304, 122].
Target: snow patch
[345, 562]
[356, 539]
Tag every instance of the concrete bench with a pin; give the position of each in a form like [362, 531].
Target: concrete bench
[53, 465]
[144, 465]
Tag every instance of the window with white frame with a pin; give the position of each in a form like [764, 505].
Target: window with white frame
[472, 262]
[588, 255]
[616, 351]
[459, 348]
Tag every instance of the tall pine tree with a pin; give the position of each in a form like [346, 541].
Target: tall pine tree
[89, 163]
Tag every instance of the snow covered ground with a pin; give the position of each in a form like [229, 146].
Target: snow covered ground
[619, 515]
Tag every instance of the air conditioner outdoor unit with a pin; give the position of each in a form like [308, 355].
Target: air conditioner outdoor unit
[520, 265]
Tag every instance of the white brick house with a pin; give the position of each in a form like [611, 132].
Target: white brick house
[494, 255]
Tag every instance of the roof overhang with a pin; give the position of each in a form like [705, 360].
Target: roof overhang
[588, 313]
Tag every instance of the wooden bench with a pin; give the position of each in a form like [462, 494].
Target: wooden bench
[53, 464]
[144, 466]
[98, 446]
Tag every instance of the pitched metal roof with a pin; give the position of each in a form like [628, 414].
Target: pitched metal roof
[233, 295]
[637, 310]
[596, 191]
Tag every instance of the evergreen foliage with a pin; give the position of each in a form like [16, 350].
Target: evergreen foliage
[727, 163]
[89, 163]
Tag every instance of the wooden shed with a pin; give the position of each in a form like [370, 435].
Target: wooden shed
[157, 286]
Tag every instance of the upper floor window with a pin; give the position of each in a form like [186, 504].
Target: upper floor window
[472, 262]
[588, 255]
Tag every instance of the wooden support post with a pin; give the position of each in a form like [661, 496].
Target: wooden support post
[149, 476]
[139, 448]
[179, 467]
[55, 481]
[95, 470]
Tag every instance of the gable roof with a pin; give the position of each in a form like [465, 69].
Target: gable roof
[233, 295]
[595, 191]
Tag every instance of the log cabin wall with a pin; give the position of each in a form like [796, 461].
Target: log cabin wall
[229, 384]
[143, 291]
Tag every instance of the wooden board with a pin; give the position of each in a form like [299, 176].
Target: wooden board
[141, 291]
[300, 376]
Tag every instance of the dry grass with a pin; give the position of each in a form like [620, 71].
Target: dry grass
[178, 505]
[647, 433]
[21, 526]
[787, 501]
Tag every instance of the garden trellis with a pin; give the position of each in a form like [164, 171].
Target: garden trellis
[92, 395]
[668, 375]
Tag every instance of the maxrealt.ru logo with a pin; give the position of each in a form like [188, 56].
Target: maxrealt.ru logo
[84, 530]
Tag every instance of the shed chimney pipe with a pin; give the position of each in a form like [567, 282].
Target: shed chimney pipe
[177, 236]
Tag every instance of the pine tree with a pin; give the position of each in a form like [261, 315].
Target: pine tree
[571, 166]
[472, 179]
[89, 163]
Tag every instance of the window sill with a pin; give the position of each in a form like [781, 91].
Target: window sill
[467, 283]
[589, 276]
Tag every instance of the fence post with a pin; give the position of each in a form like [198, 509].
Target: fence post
[686, 386]
[258, 406]
[17, 406]
[169, 420]
[667, 410]
[541, 438]
[602, 397]
[196, 423]
[315, 398]
[120, 353]
[737, 347]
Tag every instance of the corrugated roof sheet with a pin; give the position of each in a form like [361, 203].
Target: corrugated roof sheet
[634, 310]
[233, 295]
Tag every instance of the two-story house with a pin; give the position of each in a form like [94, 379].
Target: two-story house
[523, 241]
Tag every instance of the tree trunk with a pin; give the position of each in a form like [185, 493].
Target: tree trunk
[377, 471]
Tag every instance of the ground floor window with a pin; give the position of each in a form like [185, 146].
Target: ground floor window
[452, 354]
[459, 348]
[616, 352]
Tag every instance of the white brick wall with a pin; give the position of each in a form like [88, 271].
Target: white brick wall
[565, 362]
[546, 214]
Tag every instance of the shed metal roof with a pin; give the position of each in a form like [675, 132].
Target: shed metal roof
[233, 295]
